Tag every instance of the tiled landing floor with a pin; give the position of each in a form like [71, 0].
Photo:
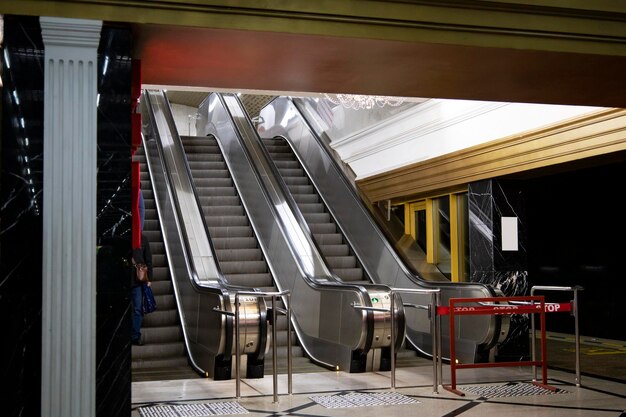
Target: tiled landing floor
[595, 397]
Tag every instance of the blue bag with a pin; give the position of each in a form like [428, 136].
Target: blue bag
[149, 303]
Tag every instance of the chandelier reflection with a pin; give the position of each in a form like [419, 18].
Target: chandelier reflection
[360, 101]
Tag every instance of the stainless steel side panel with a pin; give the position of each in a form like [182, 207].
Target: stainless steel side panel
[327, 324]
[282, 117]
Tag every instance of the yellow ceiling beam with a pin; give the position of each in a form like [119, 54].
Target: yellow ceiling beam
[600, 134]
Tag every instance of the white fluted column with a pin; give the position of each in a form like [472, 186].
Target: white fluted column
[68, 368]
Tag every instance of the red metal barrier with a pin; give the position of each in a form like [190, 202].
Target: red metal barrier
[529, 305]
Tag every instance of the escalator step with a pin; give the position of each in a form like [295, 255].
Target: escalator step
[259, 280]
[225, 221]
[341, 262]
[234, 242]
[243, 267]
[164, 334]
[335, 250]
[241, 255]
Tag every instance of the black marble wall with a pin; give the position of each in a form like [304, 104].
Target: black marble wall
[506, 270]
[577, 232]
[113, 320]
[21, 179]
[20, 217]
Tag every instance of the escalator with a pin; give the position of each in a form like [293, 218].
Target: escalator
[163, 355]
[193, 324]
[332, 243]
[292, 127]
[239, 255]
[340, 324]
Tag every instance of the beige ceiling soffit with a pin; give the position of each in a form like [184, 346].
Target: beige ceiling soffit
[586, 27]
[600, 133]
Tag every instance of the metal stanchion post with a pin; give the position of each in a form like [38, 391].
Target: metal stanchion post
[432, 313]
[274, 354]
[393, 342]
[289, 353]
[237, 347]
[577, 335]
[439, 343]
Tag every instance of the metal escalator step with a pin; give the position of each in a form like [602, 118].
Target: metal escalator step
[311, 207]
[216, 192]
[159, 350]
[159, 363]
[225, 221]
[243, 267]
[328, 238]
[317, 218]
[251, 280]
[151, 213]
[291, 172]
[211, 173]
[153, 235]
[349, 274]
[149, 224]
[206, 165]
[239, 255]
[202, 148]
[300, 189]
[162, 287]
[284, 156]
[234, 242]
[318, 228]
[202, 183]
[158, 259]
[336, 262]
[296, 180]
[276, 147]
[226, 210]
[230, 200]
[157, 248]
[147, 194]
[160, 273]
[165, 334]
[231, 231]
[149, 204]
[160, 318]
[206, 157]
[335, 250]
[165, 301]
[284, 163]
[306, 198]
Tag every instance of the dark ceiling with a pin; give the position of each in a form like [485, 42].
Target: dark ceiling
[266, 61]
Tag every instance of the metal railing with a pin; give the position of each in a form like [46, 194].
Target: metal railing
[431, 308]
[287, 312]
[432, 314]
[575, 290]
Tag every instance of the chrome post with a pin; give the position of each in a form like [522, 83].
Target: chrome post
[439, 343]
[575, 289]
[577, 335]
[533, 349]
[237, 344]
[274, 353]
[393, 341]
[289, 353]
[432, 313]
